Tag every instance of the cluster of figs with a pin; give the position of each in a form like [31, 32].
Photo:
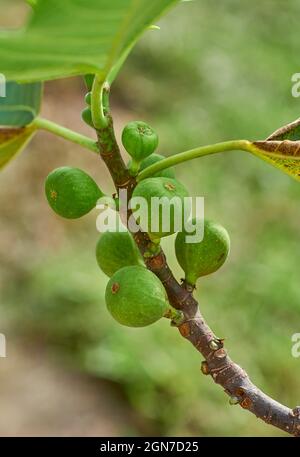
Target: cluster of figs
[134, 296]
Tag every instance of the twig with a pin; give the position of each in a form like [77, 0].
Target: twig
[202, 151]
[67, 134]
[217, 363]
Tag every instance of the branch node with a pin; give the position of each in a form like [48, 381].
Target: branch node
[221, 353]
[215, 344]
[296, 412]
[205, 368]
[234, 401]
[184, 329]
[188, 287]
[246, 403]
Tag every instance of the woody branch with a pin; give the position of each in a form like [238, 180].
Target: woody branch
[217, 363]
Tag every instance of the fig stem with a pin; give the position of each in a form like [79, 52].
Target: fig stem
[134, 167]
[174, 315]
[57, 129]
[191, 154]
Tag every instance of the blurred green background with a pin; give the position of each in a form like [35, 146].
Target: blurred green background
[214, 71]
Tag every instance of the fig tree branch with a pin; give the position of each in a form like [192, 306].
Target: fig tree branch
[230, 376]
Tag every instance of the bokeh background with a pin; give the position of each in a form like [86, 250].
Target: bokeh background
[214, 71]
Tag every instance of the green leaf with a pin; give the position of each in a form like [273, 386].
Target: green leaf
[21, 104]
[13, 141]
[75, 37]
[284, 155]
[18, 109]
[287, 132]
[282, 149]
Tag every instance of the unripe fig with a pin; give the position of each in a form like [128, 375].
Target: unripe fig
[116, 250]
[71, 192]
[135, 297]
[88, 98]
[154, 158]
[86, 115]
[140, 141]
[205, 257]
[172, 212]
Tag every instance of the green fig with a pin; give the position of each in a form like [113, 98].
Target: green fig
[154, 158]
[166, 218]
[88, 98]
[86, 115]
[205, 257]
[71, 192]
[140, 141]
[116, 250]
[135, 297]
